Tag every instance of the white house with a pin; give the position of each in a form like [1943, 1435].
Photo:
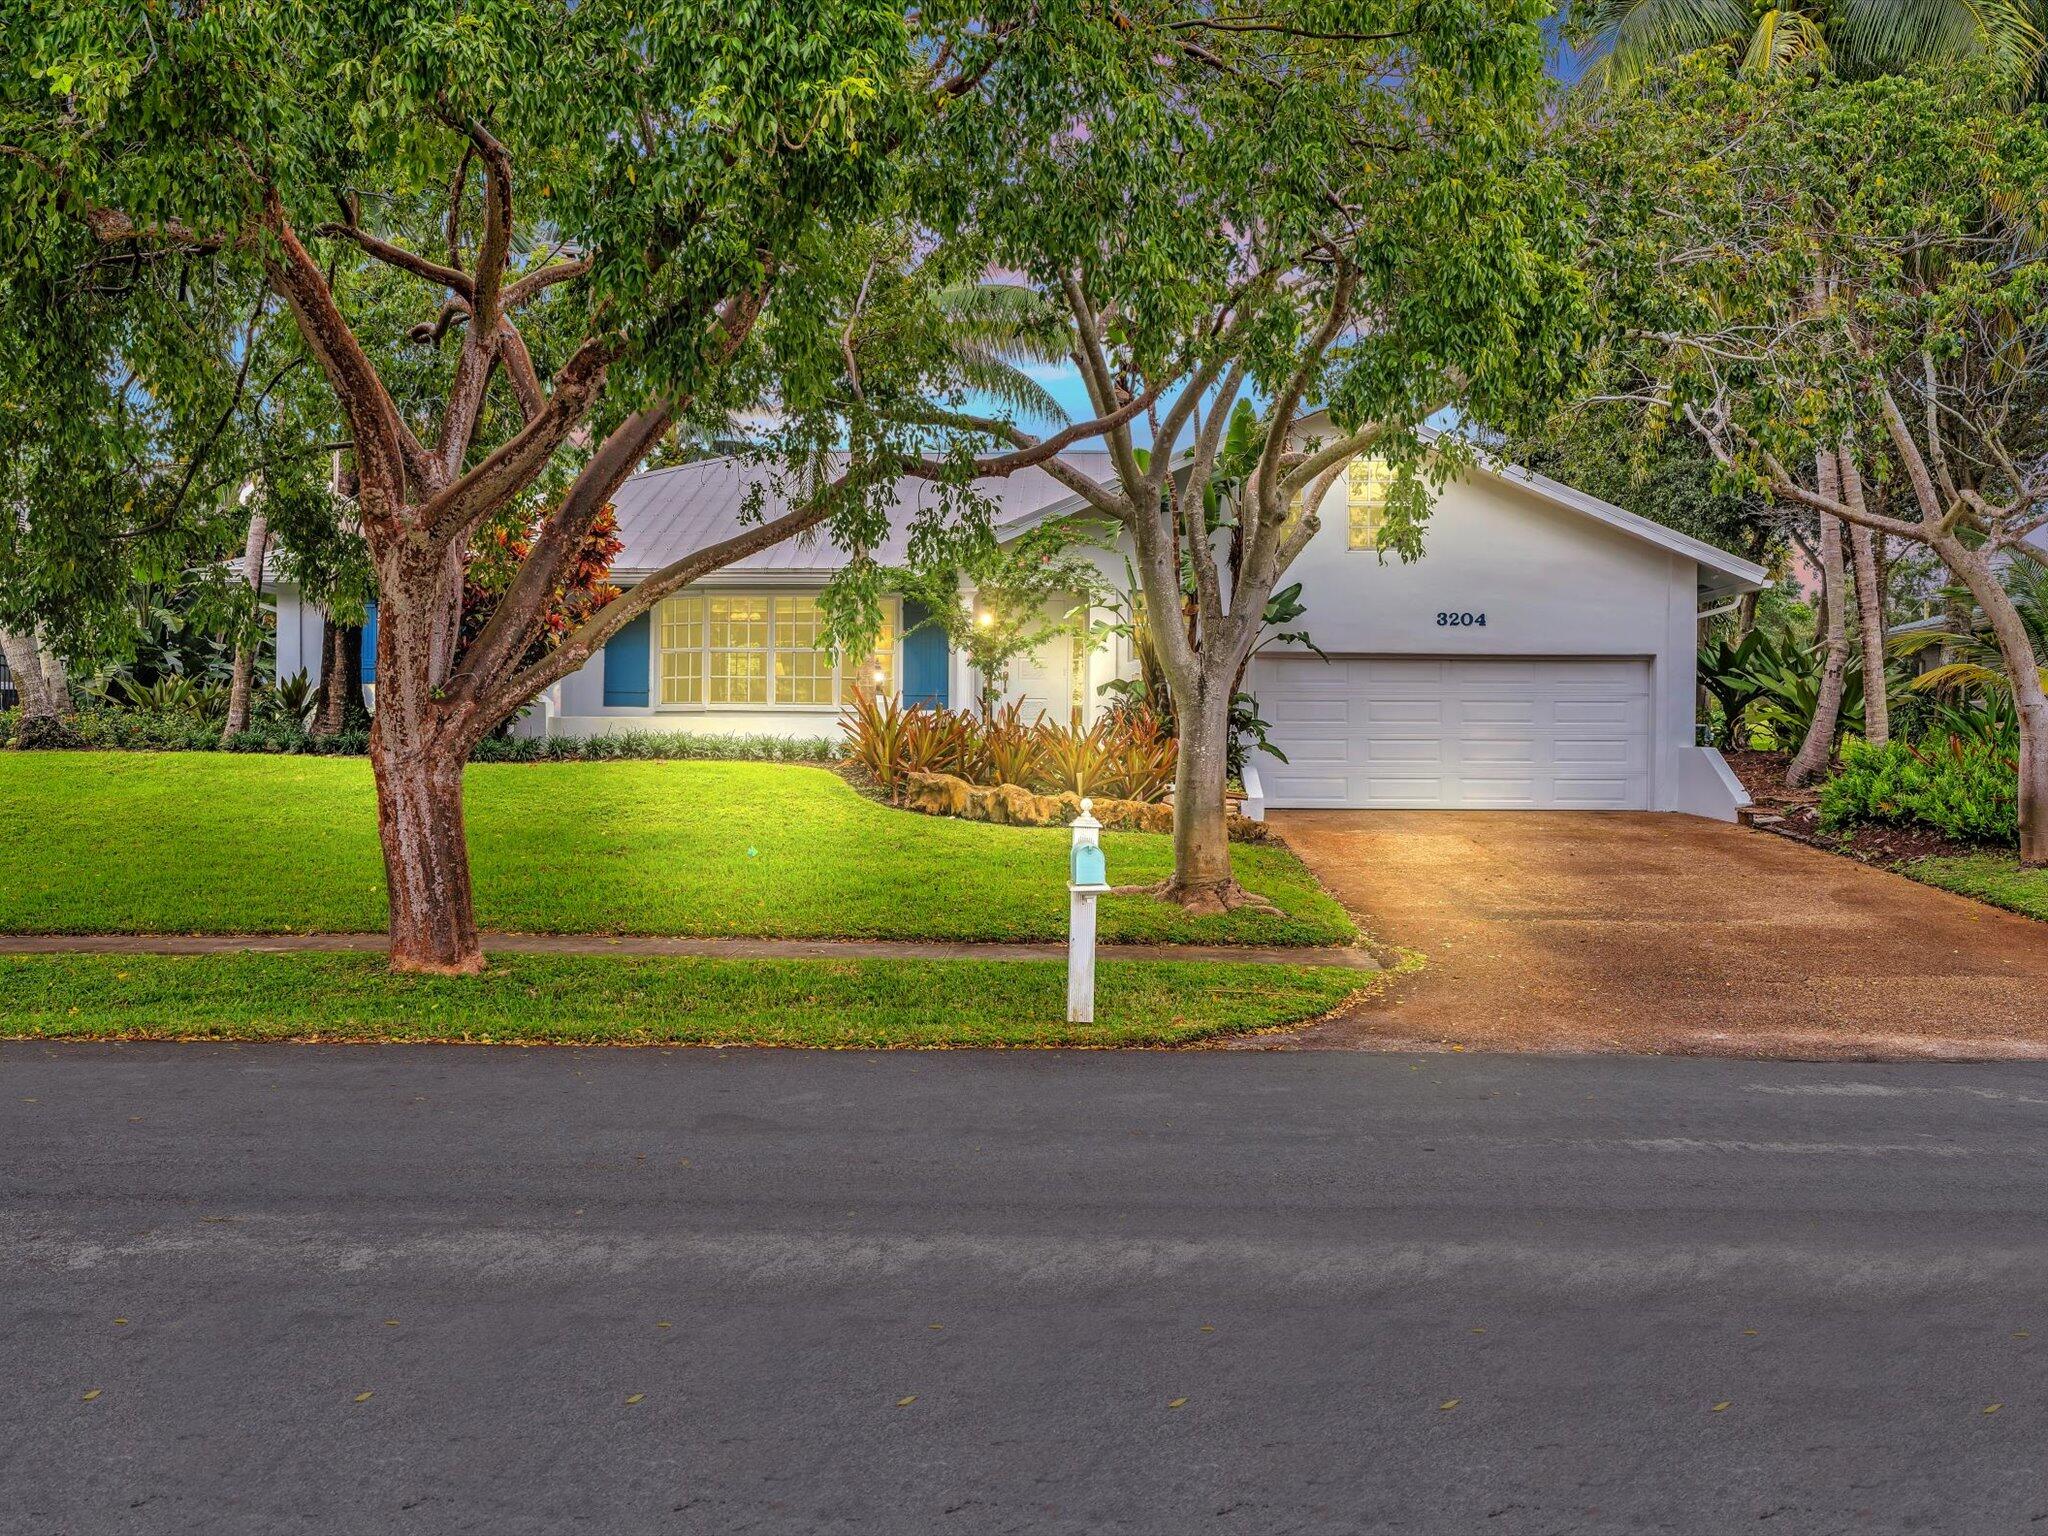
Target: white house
[1539, 655]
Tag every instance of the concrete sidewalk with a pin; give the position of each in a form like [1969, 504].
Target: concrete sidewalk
[641, 944]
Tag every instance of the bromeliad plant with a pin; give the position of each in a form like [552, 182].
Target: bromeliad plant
[1127, 754]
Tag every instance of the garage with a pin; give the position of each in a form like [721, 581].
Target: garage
[1458, 733]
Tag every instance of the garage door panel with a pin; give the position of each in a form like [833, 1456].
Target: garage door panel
[1500, 711]
[1441, 732]
[1404, 749]
[1505, 750]
[1396, 712]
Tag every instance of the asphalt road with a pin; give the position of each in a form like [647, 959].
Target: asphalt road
[447, 1290]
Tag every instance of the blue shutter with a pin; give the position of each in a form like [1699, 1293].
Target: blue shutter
[927, 668]
[369, 650]
[625, 664]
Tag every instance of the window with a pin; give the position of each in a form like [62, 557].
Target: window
[881, 678]
[803, 673]
[762, 650]
[1367, 482]
[739, 650]
[682, 651]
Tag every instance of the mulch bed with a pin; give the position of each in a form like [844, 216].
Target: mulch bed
[1763, 775]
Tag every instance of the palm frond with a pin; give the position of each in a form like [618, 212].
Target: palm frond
[1875, 35]
[1784, 40]
[1018, 321]
[981, 369]
[1637, 35]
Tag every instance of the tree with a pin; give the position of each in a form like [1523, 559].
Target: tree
[1857, 38]
[1847, 274]
[1010, 585]
[613, 218]
[1334, 206]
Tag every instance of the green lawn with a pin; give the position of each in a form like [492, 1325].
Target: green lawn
[1993, 877]
[213, 843]
[588, 1000]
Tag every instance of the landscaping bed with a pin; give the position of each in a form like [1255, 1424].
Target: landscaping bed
[591, 1000]
[1986, 872]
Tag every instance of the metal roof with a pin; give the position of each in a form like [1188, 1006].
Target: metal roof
[671, 513]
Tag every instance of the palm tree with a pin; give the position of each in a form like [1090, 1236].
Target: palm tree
[1855, 38]
[1972, 664]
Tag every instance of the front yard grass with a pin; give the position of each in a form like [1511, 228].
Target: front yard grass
[213, 843]
[594, 1000]
[1993, 877]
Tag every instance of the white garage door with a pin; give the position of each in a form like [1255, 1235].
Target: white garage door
[1453, 734]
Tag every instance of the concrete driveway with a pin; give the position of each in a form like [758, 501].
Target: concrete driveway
[1569, 931]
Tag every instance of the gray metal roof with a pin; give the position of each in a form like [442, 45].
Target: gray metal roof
[671, 513]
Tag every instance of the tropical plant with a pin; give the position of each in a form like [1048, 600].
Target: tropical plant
[1856, 38]
[874, 728]
[1074, 758]
[1025, 591]
[1727, 669]
[1974, 666]
[292, 700]
[1789, 679]
[1963, 789]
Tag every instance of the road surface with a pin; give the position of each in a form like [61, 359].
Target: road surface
[288, 1289]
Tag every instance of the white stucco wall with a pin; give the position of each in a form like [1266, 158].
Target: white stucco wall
[1549, 581]
[299, 629]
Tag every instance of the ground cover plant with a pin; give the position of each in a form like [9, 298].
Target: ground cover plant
[216, 842]
[589, 1000]
[1991, 876]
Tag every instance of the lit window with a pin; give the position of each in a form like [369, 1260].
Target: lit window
[739, 650]
[1367, 482]
[682, 651]
[803, 672]
[763, 650]
[881, 678]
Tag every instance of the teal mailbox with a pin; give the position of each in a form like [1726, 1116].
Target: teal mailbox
[1089, 867]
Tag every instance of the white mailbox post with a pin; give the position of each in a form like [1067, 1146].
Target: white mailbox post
[1087, 878]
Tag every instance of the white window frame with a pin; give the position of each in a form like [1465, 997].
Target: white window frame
[844, 672]
[1367, 480]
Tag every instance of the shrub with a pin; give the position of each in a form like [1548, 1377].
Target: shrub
[104, 728]
[1128, 754]
[1965, 789]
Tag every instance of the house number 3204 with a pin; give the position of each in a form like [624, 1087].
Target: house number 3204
[1461, 621]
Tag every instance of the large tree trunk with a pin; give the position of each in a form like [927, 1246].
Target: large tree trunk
[26, 668]
[1201, 879]
[327, 697]
[417, 752]
[426, 857]
[244, 677]
[1863, 546]
[56, 679]
[2016, 651]
[1818, 750]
